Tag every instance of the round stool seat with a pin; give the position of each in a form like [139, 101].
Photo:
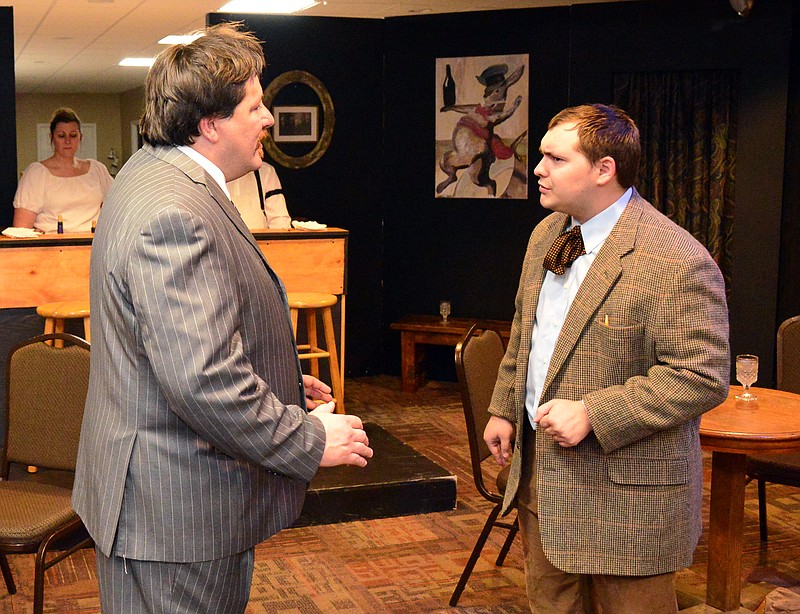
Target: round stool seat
[310, 300]
[64, 310]
[55, 314]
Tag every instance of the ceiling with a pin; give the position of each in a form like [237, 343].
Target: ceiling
[74, 46]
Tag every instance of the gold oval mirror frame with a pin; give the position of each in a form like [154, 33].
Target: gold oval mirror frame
[328, 118]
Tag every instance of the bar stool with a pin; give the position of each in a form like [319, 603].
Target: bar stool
[55, 314]
[311, 303]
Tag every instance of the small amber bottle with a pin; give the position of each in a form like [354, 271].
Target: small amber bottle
[94, 225]
[60, 225]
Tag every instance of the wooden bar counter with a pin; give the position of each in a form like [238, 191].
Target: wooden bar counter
[56, 267]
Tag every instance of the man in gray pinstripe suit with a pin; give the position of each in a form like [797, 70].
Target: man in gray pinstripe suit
[196, 442]
[611, 361]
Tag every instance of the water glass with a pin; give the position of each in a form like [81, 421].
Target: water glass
[444, 310]
[747, 374]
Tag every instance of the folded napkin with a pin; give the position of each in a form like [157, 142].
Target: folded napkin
[20, 233]
[308, 225]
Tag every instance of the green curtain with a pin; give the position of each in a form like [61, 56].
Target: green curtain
[687, 122]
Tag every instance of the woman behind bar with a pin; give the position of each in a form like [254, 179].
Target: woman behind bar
[62, 185]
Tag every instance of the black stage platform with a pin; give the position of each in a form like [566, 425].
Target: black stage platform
[397, 481]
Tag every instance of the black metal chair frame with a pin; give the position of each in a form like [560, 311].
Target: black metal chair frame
[479, 453]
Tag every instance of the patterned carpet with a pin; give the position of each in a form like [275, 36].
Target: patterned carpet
[411, 564]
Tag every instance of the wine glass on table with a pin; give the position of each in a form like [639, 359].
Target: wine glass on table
[747, 374]
[444, 310]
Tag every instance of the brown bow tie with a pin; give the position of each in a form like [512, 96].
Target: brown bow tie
[564, 250]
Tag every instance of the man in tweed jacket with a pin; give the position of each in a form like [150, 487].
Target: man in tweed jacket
[196, 444]
[609, 367]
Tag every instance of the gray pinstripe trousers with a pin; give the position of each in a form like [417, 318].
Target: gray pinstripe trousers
[220, 586]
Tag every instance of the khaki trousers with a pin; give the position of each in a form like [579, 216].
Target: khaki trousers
[552, 591]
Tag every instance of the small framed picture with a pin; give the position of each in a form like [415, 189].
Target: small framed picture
[298, 124]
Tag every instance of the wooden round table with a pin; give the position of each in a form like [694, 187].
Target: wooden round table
[731, 431]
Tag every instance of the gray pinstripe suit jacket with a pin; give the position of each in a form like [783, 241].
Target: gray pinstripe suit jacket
[195, 442]
[626, 500]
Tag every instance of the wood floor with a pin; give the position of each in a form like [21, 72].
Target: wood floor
[411, 564]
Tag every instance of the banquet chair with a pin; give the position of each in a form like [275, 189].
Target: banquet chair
[478, 355]
[55, 316]
[779, 468]
[46, 393]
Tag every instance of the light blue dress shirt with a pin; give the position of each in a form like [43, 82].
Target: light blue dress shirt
[556, 296]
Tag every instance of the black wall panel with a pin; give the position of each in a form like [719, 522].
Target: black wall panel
[345, 187]
[8, 118]
[682, 35]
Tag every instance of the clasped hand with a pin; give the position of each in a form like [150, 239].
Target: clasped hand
[565, 421]
[346, 442]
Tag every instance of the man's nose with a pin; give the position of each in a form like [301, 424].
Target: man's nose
[269, 121]
[539, 170]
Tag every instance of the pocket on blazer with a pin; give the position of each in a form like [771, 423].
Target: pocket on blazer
[648, 471]
[616, 334]
[621, 349]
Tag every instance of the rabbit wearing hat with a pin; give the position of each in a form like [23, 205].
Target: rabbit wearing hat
[475, 145]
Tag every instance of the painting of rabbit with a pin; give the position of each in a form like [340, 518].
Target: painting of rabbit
[482, 127]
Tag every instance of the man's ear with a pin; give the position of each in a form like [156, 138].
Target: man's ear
[607, 170]
[208, 129]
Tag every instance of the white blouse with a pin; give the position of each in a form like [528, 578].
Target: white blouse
[76, 199]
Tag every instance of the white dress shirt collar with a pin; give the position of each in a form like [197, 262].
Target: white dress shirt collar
[596, 230]
[212, 169]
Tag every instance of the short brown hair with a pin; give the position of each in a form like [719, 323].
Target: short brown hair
[64, 115]
[205, 78]
[605, 130]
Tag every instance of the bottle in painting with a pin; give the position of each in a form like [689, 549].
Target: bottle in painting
[448, 89]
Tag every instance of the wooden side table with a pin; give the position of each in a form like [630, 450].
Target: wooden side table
[417, 331]
[731, 431]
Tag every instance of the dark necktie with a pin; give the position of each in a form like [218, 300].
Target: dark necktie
[564, 250]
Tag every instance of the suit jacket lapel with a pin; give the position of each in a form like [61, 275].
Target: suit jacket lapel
[197, 173]
[600, 279]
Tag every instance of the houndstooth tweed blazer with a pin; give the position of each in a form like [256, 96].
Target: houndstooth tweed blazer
[627, 499]
[195, 442]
